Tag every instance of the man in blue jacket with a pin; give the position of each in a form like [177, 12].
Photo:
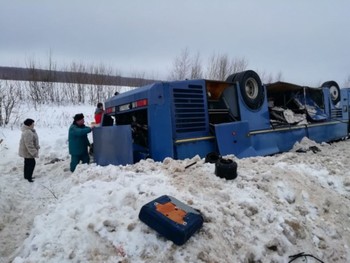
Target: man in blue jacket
[78, 141]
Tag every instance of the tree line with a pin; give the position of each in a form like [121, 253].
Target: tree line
[217, 67]
[89, 83]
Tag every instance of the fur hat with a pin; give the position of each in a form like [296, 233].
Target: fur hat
[28, 122]
[78, 117]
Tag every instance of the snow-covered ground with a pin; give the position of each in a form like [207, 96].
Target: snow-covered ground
[277, 206]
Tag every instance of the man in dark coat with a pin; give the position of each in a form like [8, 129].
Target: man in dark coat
[78, 141]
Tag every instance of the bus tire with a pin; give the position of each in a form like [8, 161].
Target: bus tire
[212, 157]
[334, 90]
[226, 168]
[251, 88]
[231, 78]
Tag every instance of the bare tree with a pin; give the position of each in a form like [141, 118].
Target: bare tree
[265, 77]
[279, 76]
[97, 91]
[115, 89]
[269, 78]
[136, 79]
[220, 66]
[181, 66]
[34, 87]
[48, 86]
[196, 67]
[238, 65]
[69, 90]
[211, 67]
[80, 88]
[45, 90]
[9, 98]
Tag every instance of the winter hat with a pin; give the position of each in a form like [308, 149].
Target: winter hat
[28, 122]
[78, 117]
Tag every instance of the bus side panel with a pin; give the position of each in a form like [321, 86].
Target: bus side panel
[328, 131]
[233, 138]
[282, 140]
[160, 132]
[190, 149]
[286, 139]
[113, 145]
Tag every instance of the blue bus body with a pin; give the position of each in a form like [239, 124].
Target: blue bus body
[181, 119]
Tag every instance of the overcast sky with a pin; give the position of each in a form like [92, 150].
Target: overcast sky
[308, 41]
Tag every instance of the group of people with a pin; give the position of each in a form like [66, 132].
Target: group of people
[78, 142]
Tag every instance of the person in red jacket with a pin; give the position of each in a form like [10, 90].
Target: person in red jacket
[98, 113]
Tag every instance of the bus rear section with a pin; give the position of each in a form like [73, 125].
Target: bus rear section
[165, 119]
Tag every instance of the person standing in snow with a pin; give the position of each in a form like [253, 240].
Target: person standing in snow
[78, 141]
[29, 148]
[98, 113]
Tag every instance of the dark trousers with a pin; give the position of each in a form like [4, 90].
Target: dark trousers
[75, 159]
[29, 165]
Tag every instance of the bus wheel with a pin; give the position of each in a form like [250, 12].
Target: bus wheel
[251, 88]
[226, 168]
[231, 78]
[212, 157]
[334, 90]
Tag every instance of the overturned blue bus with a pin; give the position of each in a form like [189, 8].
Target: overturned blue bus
[239, 116]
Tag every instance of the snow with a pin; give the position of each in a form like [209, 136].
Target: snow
[278, 205]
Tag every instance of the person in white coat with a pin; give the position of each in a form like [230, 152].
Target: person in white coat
[29, 148]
